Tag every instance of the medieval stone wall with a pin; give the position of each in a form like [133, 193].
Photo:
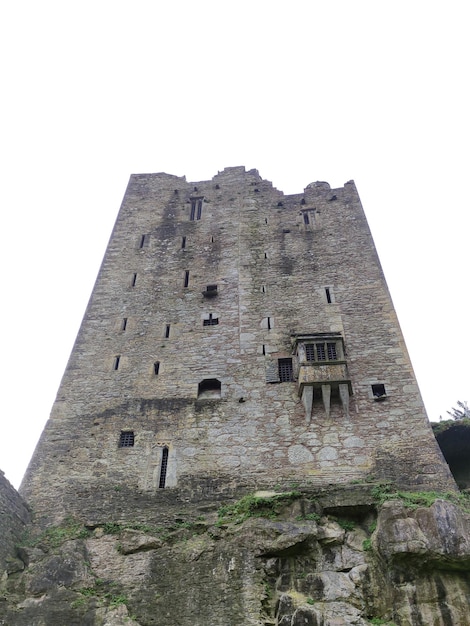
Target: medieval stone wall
[14, 515]
[284, 265]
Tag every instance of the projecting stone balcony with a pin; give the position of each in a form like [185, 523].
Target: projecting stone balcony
[318, 374]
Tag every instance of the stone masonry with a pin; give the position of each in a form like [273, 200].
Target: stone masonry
[236, 337]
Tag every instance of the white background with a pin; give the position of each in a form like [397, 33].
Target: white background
[302, 90]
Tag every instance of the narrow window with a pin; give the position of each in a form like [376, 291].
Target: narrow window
[183, 243]
[186, 278]
[265, 255]
[269, 323]
[199, 210]
[212, 239]
[126, 439]
[156, 367]
[331, 351]
[265, 220]
[193, 210]
[264, 349]
[143, 241]
[167, 331]
[286, 373]
[310, 352]
[328, 295]
[306, 219]
[378, 391]
[124, 324]
[134, 280]
[116, 362]
[211, 321]
[263, 289]
[321, 353]
[163, 468]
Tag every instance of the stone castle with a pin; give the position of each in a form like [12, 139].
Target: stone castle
[238, 341]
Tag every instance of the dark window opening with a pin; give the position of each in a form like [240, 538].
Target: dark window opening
[124, 324]
[116, 362]
[286, 373]
[186, 278]
[210, 291]
[264, 349]
[163, 468]
[167, 331]
[331, 351]
[310, 352]
[209, 388]
[126, 439]
[328, 295]
[306, 218]
[212, 239]
[265, 255]
[193, 210]
[321, 351]
[378, 391]
[199, 210]
[156, 367]
[211, 321]
[143, 241]
[269, 323]
[134, 280]
[265, 220]
[263, 289]
[183, 243]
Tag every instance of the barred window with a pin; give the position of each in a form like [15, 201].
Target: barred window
[163, 468]
[210, 321]
[325, 351]
[126, 439]
[286, 373]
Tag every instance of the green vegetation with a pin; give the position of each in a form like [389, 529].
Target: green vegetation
[314, 517]
[346, 524]
[56, 535]
[310, 601]
[378, 621]
[415, 499]
[367, 545]
[439, 427]
[252, 506]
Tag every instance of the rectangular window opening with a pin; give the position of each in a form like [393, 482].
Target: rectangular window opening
[156, 367]
[167, 331]
[378, 391]
[328, 295]
[186, 278]
[286, 372]
[306, 218]
[183, 243]
[126, 439]
[211, 321]
[134, 280]
[193, 210]
[124, 323]
[117, 359]
[331, 351]
[199, 210]
[263, 289]
[143, 241]
[264, 349]
[269, 323]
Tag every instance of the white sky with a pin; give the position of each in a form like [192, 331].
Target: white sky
[372, 91]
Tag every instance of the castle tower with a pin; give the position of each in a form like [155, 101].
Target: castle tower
[236, 338]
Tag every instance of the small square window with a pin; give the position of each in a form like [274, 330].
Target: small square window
[126, 439]
[378, 391]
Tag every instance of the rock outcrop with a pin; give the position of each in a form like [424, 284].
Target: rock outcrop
[278, 560]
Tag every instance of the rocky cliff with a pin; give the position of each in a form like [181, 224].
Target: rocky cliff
[358, 555]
